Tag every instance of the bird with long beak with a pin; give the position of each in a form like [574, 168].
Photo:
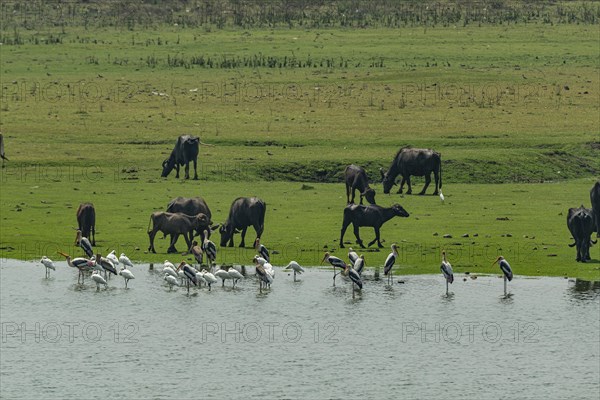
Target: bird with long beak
[446, 269]
[354, 277]
[389, 263]
[48, 264]
[105, 265]
[82, 264]
[126, 274]
[99, 280]
[123, 259]
[171, 281]
[210, 249]
[335, 263]
[235, 275]
[359, 264]
[84, 243]
[197, 252]
[262, 250]
[189, 273]
[293, 265]
[263, 276]
[506, 270]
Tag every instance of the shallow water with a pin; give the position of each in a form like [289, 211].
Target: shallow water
[296, 340]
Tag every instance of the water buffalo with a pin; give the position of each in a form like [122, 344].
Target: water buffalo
[581, 224]
[417, 162]
[191, 206]
[244, 212]
[595, 198]
[356, 179]
[185, 150]
[175, 224]
[86, 220]
[2, 155]
[371, 215]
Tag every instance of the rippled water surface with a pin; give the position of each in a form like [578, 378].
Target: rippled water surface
[297, 340]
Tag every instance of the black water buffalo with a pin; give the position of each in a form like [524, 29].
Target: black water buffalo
[191, 206]
[356, 179]
[2, 155]
[185, 151]
[417, 162]
[244, 212]
[371, 215]
[581, 224]
[175, 224]
[86, 221]
[595, 198]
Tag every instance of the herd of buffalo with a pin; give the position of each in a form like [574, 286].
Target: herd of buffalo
[192, 217]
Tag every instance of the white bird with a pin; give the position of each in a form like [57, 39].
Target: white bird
[113, 258]
[262, 250]
[389, 263]
[126, 274]
[209, 278]
[263, 276]
[293, 265]
[506, 270]
[269, 270]
[352, 255]
[359, 264]
[99, 280]
[335, 263]
[210, 249]
[446, 269]
[200, 278]
[123, 259]
[105, 265]
[442, 198]
[221, 273]
[171, 281]
[48, 264]
[169, 268]
[235, 275]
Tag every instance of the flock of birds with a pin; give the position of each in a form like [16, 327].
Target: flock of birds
[186, 275]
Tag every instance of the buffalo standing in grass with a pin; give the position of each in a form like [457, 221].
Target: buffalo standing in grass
[244, 212]
[416, 162]
[371, 215]
[595, 198]
[185, 151]
[191, 206]
[580, 222]
[356, 179]
[86, 221]
[175, 224]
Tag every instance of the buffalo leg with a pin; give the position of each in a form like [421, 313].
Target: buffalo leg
[376, 229]
[436, 177]
[344, 227]
[357, 234]
[195, 170]
[188, 239]
[348, 194]
[427, 182]
[151, 235]
[243, 242]
[176, 170]
[409, 191]
[93, 235]
[401, 188]
[187, 170]
[174, 237]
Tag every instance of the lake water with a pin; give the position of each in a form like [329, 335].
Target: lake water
[297, 340]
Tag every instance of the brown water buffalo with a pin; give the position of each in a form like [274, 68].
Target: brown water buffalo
[371, 215]
[595, 198]
[581, 224]
[86, 221]
[416, 162]
[356, 179]
[191, 206]
[244, 212]
[175, 224]
[185, 151]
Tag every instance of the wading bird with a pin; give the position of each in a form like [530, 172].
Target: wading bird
[105, 265]
[169, 268]
[209, 278]
[123, 259]
[48, 264]
[506, 270]
[197, 252]
[222, 274]
[352, 255]
[354, 277]
[263, 277]
[446, 269]
[126, 274]
[171, 281]
[359, 264]
[262, 250]
[389, 263]
[335, 263]
[99, 280]
[209, 249]
[189, 273]
[82, 264]
[293, 265]
[200, 278]
[84, 243]
[235, 275]
[113, 258]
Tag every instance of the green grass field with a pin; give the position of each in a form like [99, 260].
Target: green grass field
[512, 108]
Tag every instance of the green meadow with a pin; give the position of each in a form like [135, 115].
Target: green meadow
[89, 114]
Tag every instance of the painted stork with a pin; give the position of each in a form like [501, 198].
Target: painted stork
[262, 250]
[209, 249]
[389, 263]
[506, 270]
[190, 274]
[293, 265]
[126, 274]
[197, 252]
[123, 259]
[113, 258]
[446, 269]
[335, 263]
[352, 256]
[84, 243]
[354, 277]
[99, 280]
[82, 264]
[263, 277]
[104, 264]
[359, 264]
[171, 281]
[235, 275]
[48, 264]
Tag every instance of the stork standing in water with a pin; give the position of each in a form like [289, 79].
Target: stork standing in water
[359, 264]
[48, 264]
[99, 280]
[210, 250]
[335, 263]
[104, 264]
[293, 265]
[126, 274]
[113, 258]
[169, 268]
[197, 252]
[263, 276]
[235, 275]
[190, 274]
[171, 281]
[123, 259]
[389, 263]
[221, 273]
[352, 256]
[354, 277]
[84, 243]
[82, 264]
[446, 269]
[262, 250]
[209, 278]
[506, 270]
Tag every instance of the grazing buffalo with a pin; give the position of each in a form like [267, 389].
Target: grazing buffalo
[595, 198]
[581, 224]
[417, 162]
[191, 206]
[371, 215]
[356, 179]
[86, 220]
[244, 212]
[185, 151]
[2, 155]
[175, 224]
